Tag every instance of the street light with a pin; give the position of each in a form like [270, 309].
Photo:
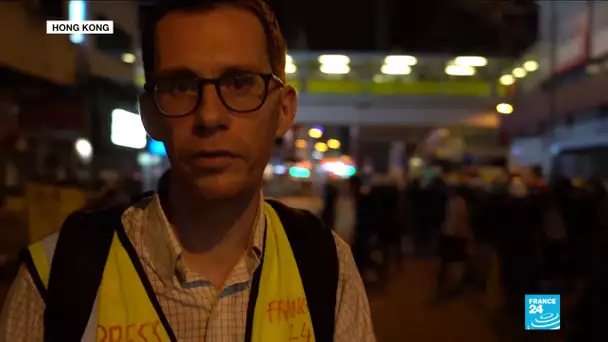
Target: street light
[301, 143]
[333, 144]
[315, 133]
[128, 58]
[504, 108]
[519, 72]
[334, 64]
[507, 80]
[321, 147]
[471, 61]
[127, 130]
[398, 65]
[531, 66]
[290, 67]
[84, 150]
[396, 69]
[405, 60]
[460, 70]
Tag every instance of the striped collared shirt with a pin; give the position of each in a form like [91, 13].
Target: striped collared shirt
[195, 309]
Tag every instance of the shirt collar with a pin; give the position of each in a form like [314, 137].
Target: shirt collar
[166, 250]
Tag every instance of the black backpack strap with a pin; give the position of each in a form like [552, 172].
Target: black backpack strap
[25, 259]
[314, 248]
[76, 271]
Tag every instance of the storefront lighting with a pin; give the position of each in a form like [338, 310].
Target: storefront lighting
[405, 60]
[396, 69]
[315, 133]
[519, 72]
[84, 149]
[301, 143]
[531, 66]
[334, 64]
[128, 58]
[77, 11]
[507, 80]
[279, 169]
[127, 130]
[290, 67]
[459, 70]
[333, 144]
[504, 108]
[471, 61]
[146, 159]
[321, 147]
[157, 148]
[299, 172]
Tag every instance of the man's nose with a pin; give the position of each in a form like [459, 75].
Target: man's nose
[211, 113]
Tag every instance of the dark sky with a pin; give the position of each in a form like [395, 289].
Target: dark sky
[433, 26]
[413, 26]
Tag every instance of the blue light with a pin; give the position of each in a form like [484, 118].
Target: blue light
[279, 169]
[350, 171]
[157, 148]
[77, 11]
[299, 172]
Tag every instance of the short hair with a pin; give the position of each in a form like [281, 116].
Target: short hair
[150, 16]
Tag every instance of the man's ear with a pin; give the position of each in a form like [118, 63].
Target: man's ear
[150, 117]
[289, 107]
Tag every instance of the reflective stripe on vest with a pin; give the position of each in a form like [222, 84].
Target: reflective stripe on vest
[123, 310]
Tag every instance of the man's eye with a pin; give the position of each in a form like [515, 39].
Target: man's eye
[239, 80]
[177, 86]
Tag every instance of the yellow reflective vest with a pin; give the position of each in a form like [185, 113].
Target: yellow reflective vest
[126, 308]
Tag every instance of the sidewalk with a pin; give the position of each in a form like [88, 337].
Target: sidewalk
[403, 312]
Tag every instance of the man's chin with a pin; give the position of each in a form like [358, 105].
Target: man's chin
[220, 187]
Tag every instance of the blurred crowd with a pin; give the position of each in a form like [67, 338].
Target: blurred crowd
[539, 236]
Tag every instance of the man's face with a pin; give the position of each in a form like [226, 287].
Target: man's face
[220, 152]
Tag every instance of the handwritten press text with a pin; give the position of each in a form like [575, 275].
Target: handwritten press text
[146, 332]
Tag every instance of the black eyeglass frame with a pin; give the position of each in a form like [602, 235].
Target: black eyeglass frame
[202, 82]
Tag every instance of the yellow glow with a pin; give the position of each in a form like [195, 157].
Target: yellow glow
[459, 70]
[334, 64]
[335, 69]
[396, 69]
[405, 60]
[483, 120]
[531, 66]
[315, 133]
[507, 80]
[321, 147]
[519, 72]
[334, 59]
[504, 108]
[333, 144]
[471, 61]
[290, 68]
[128, 58]
[301, 143]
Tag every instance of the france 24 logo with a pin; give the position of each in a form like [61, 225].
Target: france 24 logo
[542, 312]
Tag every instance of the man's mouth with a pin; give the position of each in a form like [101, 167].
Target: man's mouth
[214, 159]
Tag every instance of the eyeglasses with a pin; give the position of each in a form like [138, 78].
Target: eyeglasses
[180, 94]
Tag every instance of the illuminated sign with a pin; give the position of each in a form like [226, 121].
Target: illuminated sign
[127, 130]
[299, 172]
[157, 148]
[339, 169]
[77, 11]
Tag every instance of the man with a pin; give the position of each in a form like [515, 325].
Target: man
[200, 260]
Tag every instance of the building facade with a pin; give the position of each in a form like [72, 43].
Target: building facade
[561, 108]
[58, 89]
